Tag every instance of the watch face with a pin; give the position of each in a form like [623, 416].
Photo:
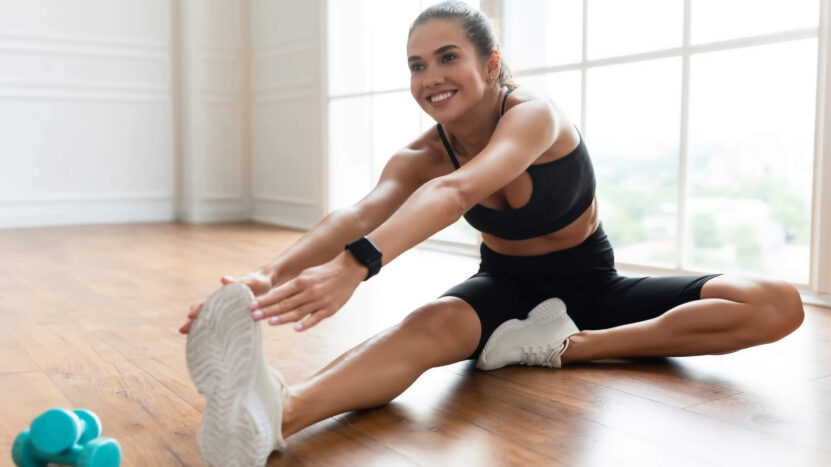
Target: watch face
[367, 254]
[365, 250]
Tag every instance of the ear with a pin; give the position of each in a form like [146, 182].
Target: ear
[494, 64]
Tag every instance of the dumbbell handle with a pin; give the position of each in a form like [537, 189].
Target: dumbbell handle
[68, 457]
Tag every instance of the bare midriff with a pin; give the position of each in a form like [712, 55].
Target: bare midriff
[563, 239]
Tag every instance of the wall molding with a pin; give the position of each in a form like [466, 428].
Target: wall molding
[220, 98]
[222, 197]
[287, 45]
[118, 41]
[288, 96]
[276, 88]
[71, 86]
[160, 98]
[95, 198]
[67, 45]
[219, 52]
[290, 200]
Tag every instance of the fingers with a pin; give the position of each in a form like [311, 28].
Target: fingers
[228, 280]
[291, 304]
[186, 327]
[312, 319]
[307, 319]
[278, 294]
[292, 315]
[194, 310]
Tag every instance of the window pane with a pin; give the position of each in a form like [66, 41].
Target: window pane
[562, 87]
[426, 121]
[349, 151]
[751, 159]
[541, 33]
[717, 20]
[633, 121]
[390, 23]
[617, 28]
[396, 121]
[349, 28]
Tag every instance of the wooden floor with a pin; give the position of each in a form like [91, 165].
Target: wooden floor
[88, 319]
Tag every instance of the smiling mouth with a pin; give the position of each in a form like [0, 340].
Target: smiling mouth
[441, 97]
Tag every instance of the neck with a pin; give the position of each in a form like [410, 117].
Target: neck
[471, 133]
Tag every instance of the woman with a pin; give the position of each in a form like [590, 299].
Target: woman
[518, 169]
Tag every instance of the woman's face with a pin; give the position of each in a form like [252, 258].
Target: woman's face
[447, 77]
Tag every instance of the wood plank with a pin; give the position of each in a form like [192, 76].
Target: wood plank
[159, 352]
[786, 421]
[661, 380]
[659, 423]
[540, 424]
[333, 443]
[13, 358]
[94, 376]
[171, 446]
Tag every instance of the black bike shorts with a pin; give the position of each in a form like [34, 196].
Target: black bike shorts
[584, 277]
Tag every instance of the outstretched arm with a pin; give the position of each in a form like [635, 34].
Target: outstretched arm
[402, 175]
[399, 179]
[523, 133]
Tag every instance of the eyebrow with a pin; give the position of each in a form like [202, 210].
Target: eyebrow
[438, 51]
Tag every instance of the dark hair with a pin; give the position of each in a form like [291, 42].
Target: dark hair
[477, 27]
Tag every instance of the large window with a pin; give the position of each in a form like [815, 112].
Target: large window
[699, 115]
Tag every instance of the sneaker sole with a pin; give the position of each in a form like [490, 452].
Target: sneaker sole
[223, 353]
[547, 310]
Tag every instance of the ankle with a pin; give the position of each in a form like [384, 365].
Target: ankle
[289, 421]
[574, 352]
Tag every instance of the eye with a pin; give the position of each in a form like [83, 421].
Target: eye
[448, 57]
[416, 67]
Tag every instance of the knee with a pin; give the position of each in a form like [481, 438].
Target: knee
[442, 324]
[783, 310]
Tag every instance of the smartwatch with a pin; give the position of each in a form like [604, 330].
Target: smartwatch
[367, 254]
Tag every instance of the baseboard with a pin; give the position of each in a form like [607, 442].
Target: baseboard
[54, 213]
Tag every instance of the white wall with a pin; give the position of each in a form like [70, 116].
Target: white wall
[288, 122]
[212, 52]
[85, 112]
[154, 110]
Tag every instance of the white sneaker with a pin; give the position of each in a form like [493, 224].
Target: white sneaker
[244, 398]
[538, 340]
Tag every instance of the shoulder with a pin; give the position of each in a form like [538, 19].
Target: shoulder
[536, 112]
[526, 101]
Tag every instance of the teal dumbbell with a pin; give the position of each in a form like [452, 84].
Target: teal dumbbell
[61, 436]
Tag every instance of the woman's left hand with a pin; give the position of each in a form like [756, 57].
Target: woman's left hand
[315, 294]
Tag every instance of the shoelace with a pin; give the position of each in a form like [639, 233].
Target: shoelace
[540, 355]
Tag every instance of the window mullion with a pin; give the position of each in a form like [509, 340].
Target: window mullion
[683, 189]
[820, 274]
[583, 69]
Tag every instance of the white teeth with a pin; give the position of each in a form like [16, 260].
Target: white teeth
[441, 97]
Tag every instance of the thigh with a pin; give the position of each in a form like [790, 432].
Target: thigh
[623, 300]
[745, 289]
[496, 298]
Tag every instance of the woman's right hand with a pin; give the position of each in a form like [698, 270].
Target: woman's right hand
[258, 282]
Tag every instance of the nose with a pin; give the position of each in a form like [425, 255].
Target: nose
[434, 78]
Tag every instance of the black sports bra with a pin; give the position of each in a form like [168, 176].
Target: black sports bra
[562, 190]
